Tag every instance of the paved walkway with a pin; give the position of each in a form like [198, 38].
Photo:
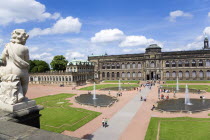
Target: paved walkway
[119, 122]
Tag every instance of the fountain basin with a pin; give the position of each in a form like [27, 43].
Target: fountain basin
[101, 100]
[117, 88]
[178, 105]
[182, 90]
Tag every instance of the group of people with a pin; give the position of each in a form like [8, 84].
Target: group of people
[119, 94]
[164, 97]
[105, 122]
[143, 98]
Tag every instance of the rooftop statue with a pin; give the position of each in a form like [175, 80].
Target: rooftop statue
[14, 75]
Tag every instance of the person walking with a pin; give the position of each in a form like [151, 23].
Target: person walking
[103, 122]
[106, 122]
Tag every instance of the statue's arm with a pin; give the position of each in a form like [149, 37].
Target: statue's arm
[26, 55]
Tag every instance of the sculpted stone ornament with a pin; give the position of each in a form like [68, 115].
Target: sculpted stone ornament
[14, 75]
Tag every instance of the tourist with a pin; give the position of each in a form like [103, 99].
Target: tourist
[106, 122]
[174, 94]
[141, 98]
[167, 97]
[109, 92]
[145, 99]
[153, 107]
[103, 122]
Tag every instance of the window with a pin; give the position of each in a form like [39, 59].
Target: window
[118, 66]
[134, 65]
[200, 63]
[180, 74]
[180, 63]
[139, 65]
[139, 74]
[152, 64]
[208, 73]
[173, 74]
[173, 64]
[123, 66]
[134, 74]
[207, 63]
[187, 64]
[128, 66]
[201, 74]
[187, 74]
[108, 75]
[113, 75]
[113, 66]
[167, 74]
[118, 74]
[193, 63]
[194, 74]
[123, 74]
[108, 66]
[128, 74]
[167, 64]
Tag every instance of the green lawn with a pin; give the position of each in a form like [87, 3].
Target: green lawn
[184, 128]
[108, 86]
[173, 82]
[58, 116]
[201, 87]
[122, 81]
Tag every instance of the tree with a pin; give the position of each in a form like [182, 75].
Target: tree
[38, 66]
[59, 62]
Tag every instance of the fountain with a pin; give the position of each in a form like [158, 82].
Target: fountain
[119, 85]
[187, 98]
[94, 91]
[177, 84]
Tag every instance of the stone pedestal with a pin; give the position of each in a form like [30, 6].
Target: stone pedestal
[26, 112]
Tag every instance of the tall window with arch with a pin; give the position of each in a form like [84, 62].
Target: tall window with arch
[152, 64]
[208, 63]
[167, 74]
[173, 64]
[139, 74]
[118, 66]
[194, 74]
[108, 75]
[134, 65]
[173, 74]
[118, 74]
[180, 74]
[134, 74]
[139, 65]
[128, 74]
[123, 74]
[187, 74]
[200, 63]
[128, 66]
[208, 74]
[113, 66]
[123, 66]
[180, 63]
[167, 64]
[103, 74]
[201, 74]
[113, 75]
[108, 66]
[193, 63]
[187, 64]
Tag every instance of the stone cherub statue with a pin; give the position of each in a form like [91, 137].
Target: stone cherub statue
[14, 75]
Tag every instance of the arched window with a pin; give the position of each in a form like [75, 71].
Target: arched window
[152, 64]
[173, 64]
[187, 64]
[173, 74]
[134, 74]
[180, 63]
[108, 66]
[113, 75]
[139, 74]
[187, 74]
[128, 66]
[201, 74]
[193, 63]
[103, 74]
[194, 74]
[134, 65]
[167, 64]
[180, 74]
[207, 63]
[118, 66]
[123, 66]
[167, 74]
[208, 74]
[200, 63]
[128, 74]
[123, 74]
[139, 65]
[118, 74]
[108, 75]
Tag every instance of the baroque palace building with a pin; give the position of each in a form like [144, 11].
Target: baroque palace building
[76, 73]
[155, 64]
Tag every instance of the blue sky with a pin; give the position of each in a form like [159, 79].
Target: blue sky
[78, 28]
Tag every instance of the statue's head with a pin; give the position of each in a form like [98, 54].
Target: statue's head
[19, 36]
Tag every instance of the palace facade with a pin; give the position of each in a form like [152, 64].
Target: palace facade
[155, 64]
[77, 73]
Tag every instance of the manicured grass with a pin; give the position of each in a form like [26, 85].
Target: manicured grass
[201, 87]
[122, 81]
[108, 85]
[58, 116]
[183, 128]
[173, 82]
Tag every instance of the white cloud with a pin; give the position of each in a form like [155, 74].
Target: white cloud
[73, 54]
[42, 56]
[66, 25]
[178, 13]
[33, 49]
[208, 14]
[19, 11]
[108, 35]
[206, 31]
[131, 41]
